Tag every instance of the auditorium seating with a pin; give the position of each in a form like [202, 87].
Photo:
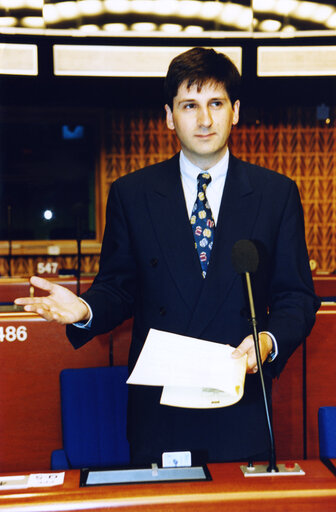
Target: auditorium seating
[327, 432]
[93, 408]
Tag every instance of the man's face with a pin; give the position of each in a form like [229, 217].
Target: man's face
[202, 120]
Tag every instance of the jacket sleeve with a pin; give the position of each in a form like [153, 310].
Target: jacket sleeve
[111, 296]
[293, 303]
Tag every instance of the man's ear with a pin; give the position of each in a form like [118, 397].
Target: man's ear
[169, 118]
[236, 108]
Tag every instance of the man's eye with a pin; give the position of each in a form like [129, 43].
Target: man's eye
[189, 106]
[217, 104]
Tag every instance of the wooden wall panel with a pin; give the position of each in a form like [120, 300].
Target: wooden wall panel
[30, 416]
[296, 145]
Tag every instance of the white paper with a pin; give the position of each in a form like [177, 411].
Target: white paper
[32, 480]
[46, 479]
[194, 373]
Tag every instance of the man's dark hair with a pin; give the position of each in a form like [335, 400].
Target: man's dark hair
[200, 65]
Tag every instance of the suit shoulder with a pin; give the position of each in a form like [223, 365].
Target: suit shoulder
[148, 173]
[266, 176]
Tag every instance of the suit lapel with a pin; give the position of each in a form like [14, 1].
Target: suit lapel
[238, 212]
[169, 216]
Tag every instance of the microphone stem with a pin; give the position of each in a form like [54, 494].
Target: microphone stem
[272, 461]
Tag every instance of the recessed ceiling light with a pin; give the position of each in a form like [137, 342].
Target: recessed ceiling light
[67, 10]
[143, 27]
[115, 28]
[90, 7]
[193, 29]
[32, 21]
[117, 6]
[188, 8]
[8, 21]
[171, 28]
[269, 25]
[89, 28]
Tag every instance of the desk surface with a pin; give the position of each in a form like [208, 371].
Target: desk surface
[228, 490]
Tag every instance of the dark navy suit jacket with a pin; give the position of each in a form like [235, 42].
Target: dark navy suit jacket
[149, 270]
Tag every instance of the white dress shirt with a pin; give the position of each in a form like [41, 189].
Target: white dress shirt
[214, 191]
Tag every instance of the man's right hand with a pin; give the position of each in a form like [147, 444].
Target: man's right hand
[61, 305]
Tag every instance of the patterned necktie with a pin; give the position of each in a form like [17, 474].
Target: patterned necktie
[202, 222]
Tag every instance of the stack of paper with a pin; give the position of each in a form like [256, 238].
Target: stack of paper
[194, 373]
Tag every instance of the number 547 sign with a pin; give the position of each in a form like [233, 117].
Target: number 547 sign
[47, 268]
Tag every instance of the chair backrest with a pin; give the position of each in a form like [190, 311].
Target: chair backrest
[94, 406]
[327, 431]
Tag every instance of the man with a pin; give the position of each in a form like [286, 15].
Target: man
[150, 270]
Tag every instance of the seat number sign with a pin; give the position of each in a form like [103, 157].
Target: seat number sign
[12, 333]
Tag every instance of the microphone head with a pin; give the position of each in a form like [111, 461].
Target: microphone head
[245, 257]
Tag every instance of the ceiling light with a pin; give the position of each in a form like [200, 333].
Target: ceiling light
[210, 10]
[188, 8]
[67, 10]
[288, 29]
[304, 10]
[117, 6]
[90, 7]
[35, 4]
[285, 7]
[51, 14]
[269, 26]
[322, 13]
[167, 7]
[244, 21]
[141, 6]
[13, 4]
[32, 21]
[193, 30]
[89, 28]
[115, 28]
[171, 28]
[143, 27]
[331, 22]
[8, 21]
[263, 5]
[230, 13]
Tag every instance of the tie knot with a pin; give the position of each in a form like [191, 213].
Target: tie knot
[203, 180]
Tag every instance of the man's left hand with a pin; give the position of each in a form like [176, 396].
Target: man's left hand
[247, 347]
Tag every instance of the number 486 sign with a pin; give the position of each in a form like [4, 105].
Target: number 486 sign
[12, 333]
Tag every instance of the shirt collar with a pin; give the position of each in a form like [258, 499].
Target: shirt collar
[190, 171]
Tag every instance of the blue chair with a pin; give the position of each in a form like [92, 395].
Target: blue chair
[327, 432]
[93, 409]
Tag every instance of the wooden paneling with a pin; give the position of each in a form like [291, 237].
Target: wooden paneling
[30, 421]
[12, 288]
[290, 142]
[321, 372]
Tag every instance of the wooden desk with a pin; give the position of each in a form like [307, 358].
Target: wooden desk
[321, 372]
[325, 285]
[229, 490]
[14, 287]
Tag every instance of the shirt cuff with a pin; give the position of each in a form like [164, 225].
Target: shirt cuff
[85, 325]
[275, 350]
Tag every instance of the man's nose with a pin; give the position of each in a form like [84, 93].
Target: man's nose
[204, 117]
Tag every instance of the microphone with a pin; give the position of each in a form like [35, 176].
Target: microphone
[245, 260]
[78, 209]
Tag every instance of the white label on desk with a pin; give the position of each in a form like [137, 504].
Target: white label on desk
[45, 479]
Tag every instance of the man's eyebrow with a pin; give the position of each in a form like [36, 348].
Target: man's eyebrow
[195, 100]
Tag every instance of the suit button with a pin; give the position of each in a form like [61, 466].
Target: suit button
[154, 262]
[162, 311]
